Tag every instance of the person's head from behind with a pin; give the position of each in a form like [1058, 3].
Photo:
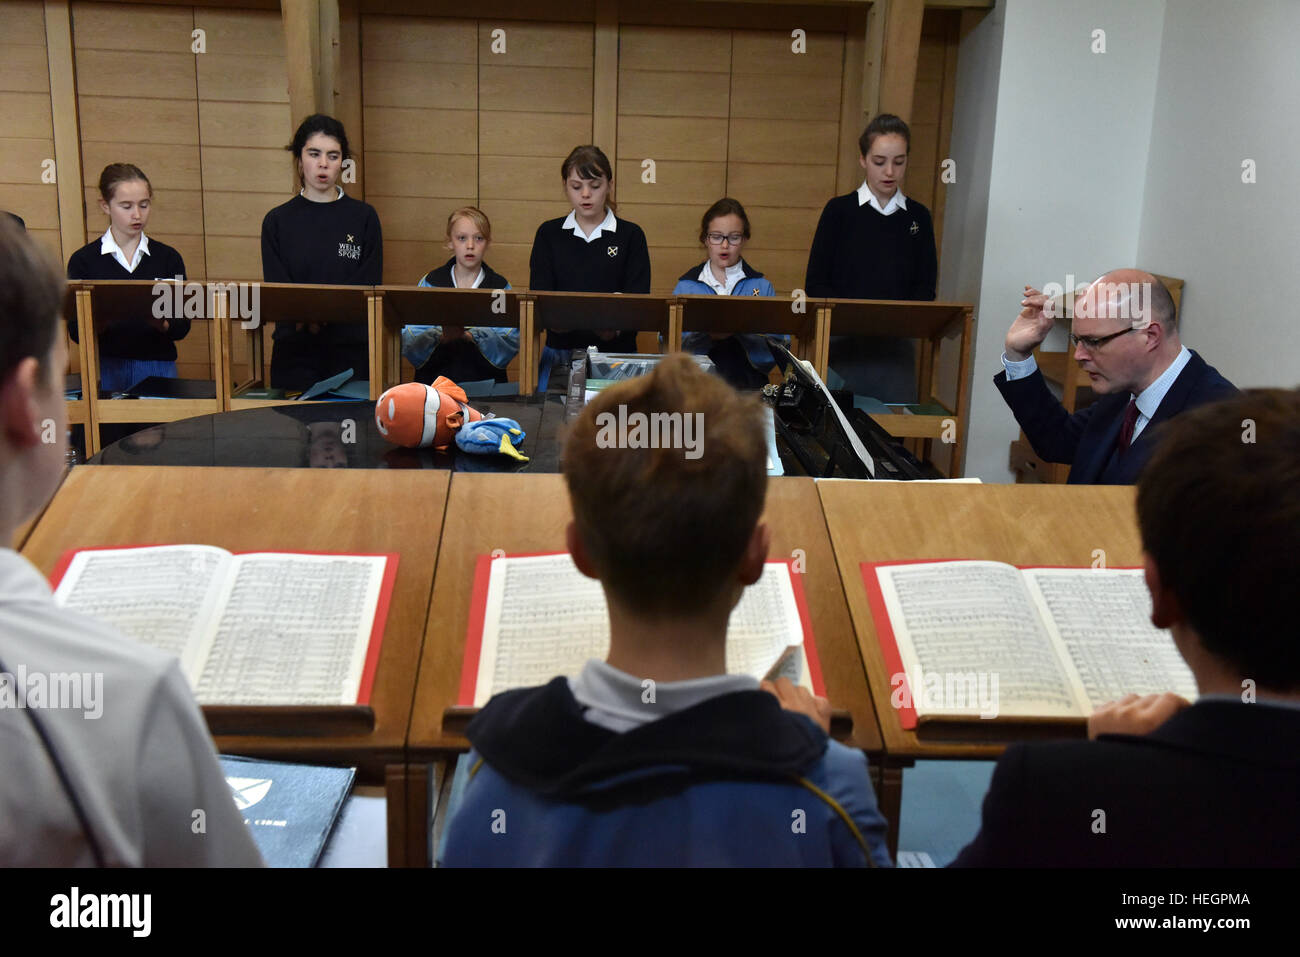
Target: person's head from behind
[1124, 331]
[724, 231]
[319, 148]
[588, 182]
[671, 532]
[468, 236]
[883, 148]
[1219, 512]
[33, 418]
[125, 197]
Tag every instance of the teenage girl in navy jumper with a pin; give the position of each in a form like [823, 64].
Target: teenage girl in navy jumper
[743, 358]
[463, 354]
[589, 251]
[875, 243]
[131, 349]
[321, 236]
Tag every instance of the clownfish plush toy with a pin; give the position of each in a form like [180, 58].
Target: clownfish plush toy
[415, 415]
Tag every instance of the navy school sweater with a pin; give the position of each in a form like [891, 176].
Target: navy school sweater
[859, 253]
[613, 262]
[338, 243]
[132, 338]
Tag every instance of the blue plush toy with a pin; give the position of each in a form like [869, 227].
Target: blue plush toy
[490, 436]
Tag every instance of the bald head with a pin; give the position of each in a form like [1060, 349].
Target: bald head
[1129, 297]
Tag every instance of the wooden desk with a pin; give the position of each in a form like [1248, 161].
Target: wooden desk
[768, 315]
[102, 301]
[398, 306]
[290, 303]
[930, 323]
[276, 510]
[1019, 524]
[528, 513]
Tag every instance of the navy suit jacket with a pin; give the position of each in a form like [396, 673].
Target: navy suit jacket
[1217, 785]
[1088, 438]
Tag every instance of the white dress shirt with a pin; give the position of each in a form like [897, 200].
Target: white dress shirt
[607, 225]
[867, 197]
[108, 245]
[733, 273]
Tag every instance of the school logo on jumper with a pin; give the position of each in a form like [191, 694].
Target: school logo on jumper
[612, 251]
[915, 228]
[350, 249]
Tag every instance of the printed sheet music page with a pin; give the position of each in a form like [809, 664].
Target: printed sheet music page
[256, 629]
[545, 618]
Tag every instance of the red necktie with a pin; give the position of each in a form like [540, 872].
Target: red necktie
[1126, 430]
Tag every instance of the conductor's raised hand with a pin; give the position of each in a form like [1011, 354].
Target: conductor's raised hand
[796, 698]
[1135, 714]
[1030, 328]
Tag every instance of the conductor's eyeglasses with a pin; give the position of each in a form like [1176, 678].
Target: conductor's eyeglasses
[1093, 343]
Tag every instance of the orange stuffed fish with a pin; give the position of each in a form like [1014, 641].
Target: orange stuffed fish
[415, 415]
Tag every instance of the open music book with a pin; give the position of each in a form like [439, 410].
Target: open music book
[253, 629]
[980, 639]
[533, 617]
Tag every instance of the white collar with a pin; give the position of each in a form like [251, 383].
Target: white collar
[108, 246]
[478, 280]
[607, 225]
[615, 700]
[303, 193]
[733, 275]
[867, 197]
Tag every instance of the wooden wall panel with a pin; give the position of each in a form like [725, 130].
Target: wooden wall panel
[419, 107]
[146, 114]
[27, 137]
[932, 105]
[535, 105]
[244, 123]
[783, 150]
[673, 107]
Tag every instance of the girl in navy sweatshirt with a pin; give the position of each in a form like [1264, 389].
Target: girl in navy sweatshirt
[875, 243]
[130, 349]
[589, 250]
[321, 236]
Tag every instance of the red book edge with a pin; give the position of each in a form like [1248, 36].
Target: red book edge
[376, 641]
[478, 614]
[885, 629]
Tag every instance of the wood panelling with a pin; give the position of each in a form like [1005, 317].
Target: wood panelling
[23, 65]
[114, 119]
[535, 105]
[664, 138]
[24, 24]
[420, 109]
[714, 94]
[27, 115]
[27, 137]
[166, 166]
[168, 76]
[264, 125]
[137, 103]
